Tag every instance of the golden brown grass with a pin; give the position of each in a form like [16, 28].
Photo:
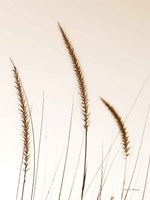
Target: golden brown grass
[124, 137]
[80, 78]
[25, 124]
[122, 129]
[25, 120]
[83, 94]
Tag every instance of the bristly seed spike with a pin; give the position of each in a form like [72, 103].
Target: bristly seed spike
[122, 129]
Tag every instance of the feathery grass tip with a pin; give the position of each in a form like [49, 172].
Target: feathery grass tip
[122, 129]
[80, 78]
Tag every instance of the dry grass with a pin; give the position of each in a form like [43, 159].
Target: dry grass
[124, 135]
[83, 94]
[25, 120]
[25, 124]
[80, 78]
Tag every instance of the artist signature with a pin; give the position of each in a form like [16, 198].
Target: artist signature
[132, 189]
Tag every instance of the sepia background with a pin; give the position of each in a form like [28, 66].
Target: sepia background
[112, 42]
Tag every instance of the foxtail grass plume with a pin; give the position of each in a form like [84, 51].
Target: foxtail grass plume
[122, 129]
[25, 123]
[83, 95]
[80, 78]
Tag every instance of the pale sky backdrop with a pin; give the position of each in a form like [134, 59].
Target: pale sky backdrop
[112, 42]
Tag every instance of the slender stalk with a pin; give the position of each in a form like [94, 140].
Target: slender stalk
[146, 179]
[67, 150]
[45, 168]
[24, 181]
[102, 178]
[138, 154]
[75, 174]
[111, 164]
[39, 149]
[19, 178]
[85, 169]
[55, 172]
[124, 178]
